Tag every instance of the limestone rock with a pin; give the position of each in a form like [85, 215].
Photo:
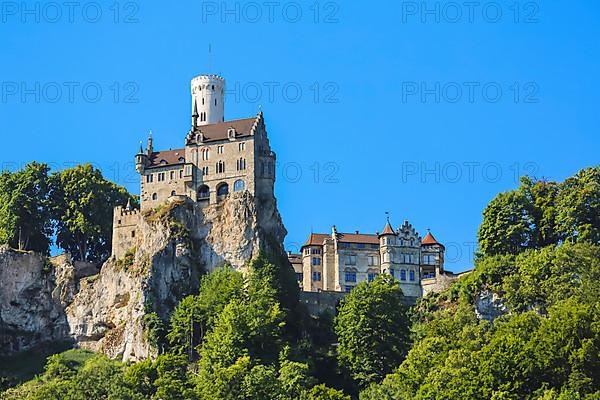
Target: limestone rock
[489, 306]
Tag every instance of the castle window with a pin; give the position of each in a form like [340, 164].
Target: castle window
[215, 102]
[181, 160]
[203, 192]
[213, 87]
[203, 101]
[412, 275]
[154, 196]
[149, 178]
[316, 276]
[205, 154]
[361, 246]
[316, 261]
[161, 176]
[350, 276]
[373, 260]
[180, 174]
[163, 162]
[172, 175]
[242, 146]
[133, 234]
[222, 190]
[371, 276]
[241, 164]
[375, 246]
[429, 259]
[220, 149]
[220, 167]
[386, 257]
[205, 171]
[347, 289]
[315, 251]
[402, 274]
[239, 186]
[173, 193]
[350, 260]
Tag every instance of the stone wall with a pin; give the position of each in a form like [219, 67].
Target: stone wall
[34, 292]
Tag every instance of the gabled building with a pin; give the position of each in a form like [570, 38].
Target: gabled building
[337, 262]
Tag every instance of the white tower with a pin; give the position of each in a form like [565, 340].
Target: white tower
[208, 100]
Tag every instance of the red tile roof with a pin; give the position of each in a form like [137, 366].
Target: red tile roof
[316, 239]
[166, 158]
[358, 238]
[388, 230]
[216, 132]
[429, 239]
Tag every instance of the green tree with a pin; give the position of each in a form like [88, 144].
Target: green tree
[507, 225]
[541, 197]
[246, 333]
[82, 206]
[322, 392]
[373, 330]
[579, 207]
[195, 315]
[25, 221]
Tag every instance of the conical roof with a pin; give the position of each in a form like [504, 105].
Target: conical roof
[388, 230]
[429, 239]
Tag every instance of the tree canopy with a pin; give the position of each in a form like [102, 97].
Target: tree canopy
[74, 206]
[542, 213]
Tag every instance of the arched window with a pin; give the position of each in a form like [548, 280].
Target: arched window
[154, 196]
[173, 193]
[205, 154]
[222, 190]
[220, 167]
[239, 186]
[203, 192]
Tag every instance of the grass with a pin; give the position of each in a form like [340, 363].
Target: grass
[24, 366]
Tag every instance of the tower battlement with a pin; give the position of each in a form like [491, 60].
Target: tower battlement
[208, 99]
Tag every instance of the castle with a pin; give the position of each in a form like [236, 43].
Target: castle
[338, 261]
[220, 158]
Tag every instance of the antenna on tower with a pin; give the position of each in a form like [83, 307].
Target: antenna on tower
[387, 215]
[209, 57]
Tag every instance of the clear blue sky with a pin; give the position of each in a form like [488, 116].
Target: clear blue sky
[377, 137]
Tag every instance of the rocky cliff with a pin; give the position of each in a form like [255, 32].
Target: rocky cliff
[114, 311]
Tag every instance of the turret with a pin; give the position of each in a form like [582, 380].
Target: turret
[433, 256]
[150, 147]
[208, 100]
[141, 160]
[387, 238]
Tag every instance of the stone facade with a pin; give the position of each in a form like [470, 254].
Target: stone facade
[218, 158]
[337, 262]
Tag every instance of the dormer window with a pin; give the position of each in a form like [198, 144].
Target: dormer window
[163, 162]
[181, 160]
[231, 133]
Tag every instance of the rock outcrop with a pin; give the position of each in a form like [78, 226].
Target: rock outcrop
[34, 292]
[489, 306]
[108, 311]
